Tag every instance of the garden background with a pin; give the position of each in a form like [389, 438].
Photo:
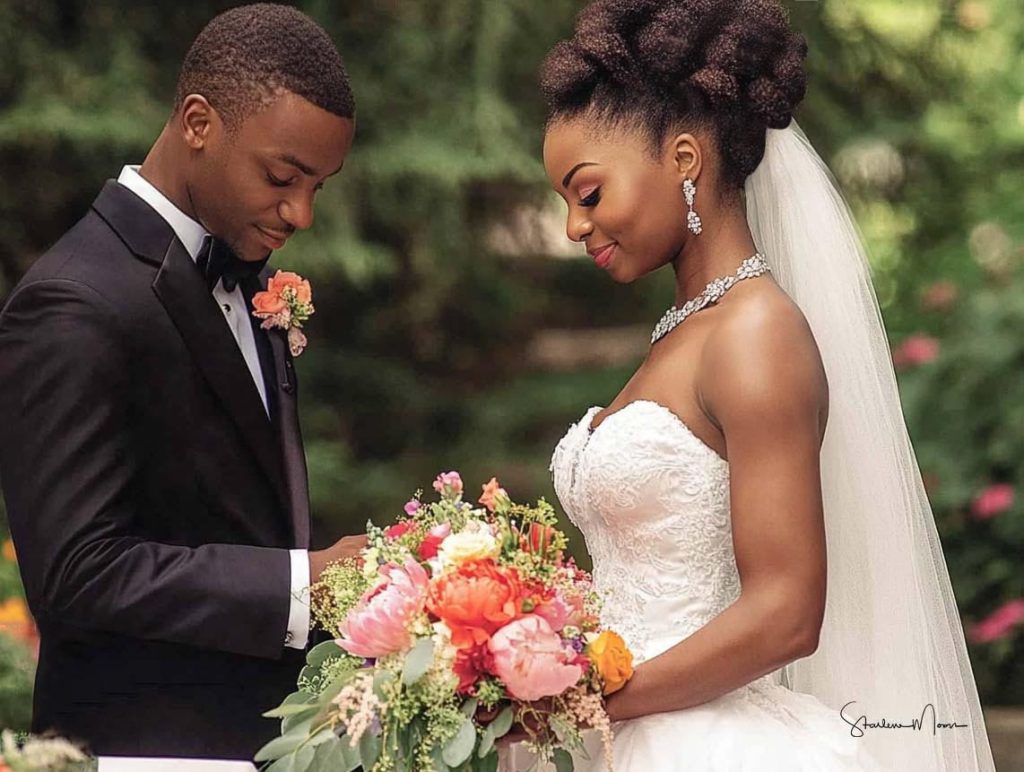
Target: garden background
[457, 328]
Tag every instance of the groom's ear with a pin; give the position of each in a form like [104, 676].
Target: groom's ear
[686, 155]
[198, 121]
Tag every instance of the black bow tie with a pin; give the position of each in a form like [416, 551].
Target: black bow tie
[218, 262]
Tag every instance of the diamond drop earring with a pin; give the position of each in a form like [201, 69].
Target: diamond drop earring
[692, 218]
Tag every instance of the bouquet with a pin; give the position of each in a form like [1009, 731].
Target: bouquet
[456, 624]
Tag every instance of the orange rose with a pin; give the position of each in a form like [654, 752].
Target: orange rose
[283, 280]
[475, 600]
[269, 303]
[613, 660]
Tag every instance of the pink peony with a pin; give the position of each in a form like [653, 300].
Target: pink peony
[916, 350]
[554, 611]
[992, 501]
[450, 480]
[379, 624]
[531, 660]
[999, 623]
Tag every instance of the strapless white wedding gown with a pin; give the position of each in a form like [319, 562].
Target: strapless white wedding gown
[652, 501]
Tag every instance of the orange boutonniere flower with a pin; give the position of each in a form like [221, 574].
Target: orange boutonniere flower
[286, 304]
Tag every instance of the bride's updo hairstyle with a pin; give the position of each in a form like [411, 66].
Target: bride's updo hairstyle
[730, 67]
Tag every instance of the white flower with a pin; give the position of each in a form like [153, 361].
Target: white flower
[475, 542]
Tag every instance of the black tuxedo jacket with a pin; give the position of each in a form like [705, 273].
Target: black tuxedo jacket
[151, 500]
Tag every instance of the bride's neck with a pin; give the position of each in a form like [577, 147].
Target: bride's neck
[724, 242]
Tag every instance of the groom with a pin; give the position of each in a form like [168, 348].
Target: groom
[150, 453]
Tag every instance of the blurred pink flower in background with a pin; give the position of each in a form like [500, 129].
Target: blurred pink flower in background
[379, 624]
[916, 350]
[940, 296]
[992, 501]
[412, 506]
[999, 623]
[531, 659]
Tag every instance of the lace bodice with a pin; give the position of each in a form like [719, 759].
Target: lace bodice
[652, 501]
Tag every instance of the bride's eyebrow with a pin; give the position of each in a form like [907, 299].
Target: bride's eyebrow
[568, 177]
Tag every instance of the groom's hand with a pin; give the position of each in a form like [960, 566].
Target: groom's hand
[345, 547]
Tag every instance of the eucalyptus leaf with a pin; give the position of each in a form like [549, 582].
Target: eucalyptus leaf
[302, 759]
[469, 707]
[323, 652]
[489, 763]
[369, 750]
[351, 754]
[418, 661]
[459, 748]
[486, 741]
[380, 680]
[503, 723]
[283, 764]
[563, 760]
[329, 756]
[285, 744]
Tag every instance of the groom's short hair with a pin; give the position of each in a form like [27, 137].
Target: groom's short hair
[244, 57]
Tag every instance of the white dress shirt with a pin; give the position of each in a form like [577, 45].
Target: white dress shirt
[191, 234]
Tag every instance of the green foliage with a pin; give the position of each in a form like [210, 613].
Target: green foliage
[965, 411]
[17, 671]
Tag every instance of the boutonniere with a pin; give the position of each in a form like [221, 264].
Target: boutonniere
[286, 304]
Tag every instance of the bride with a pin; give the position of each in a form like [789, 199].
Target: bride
[750, 498]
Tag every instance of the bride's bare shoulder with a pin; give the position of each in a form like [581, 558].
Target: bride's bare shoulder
[760, 353]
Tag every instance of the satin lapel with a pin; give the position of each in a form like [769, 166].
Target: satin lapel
[184, 295]
[291, 437]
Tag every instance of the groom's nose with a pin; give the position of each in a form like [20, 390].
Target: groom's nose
[297, 210]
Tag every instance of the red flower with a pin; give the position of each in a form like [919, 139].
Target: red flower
[470, 664]
[398, 530]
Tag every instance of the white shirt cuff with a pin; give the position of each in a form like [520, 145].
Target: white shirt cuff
[298, 610]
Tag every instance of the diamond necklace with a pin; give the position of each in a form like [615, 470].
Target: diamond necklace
[755, 265]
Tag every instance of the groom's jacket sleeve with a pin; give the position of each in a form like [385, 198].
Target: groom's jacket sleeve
[68, 469]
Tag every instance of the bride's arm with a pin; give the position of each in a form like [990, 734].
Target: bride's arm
[761, 381]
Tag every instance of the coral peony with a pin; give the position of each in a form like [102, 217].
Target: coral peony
[531, 660]
[379, 624]
[475, 600]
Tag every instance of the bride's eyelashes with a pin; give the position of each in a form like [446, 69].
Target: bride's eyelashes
[591, 198]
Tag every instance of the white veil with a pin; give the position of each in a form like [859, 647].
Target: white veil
[892, 642]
